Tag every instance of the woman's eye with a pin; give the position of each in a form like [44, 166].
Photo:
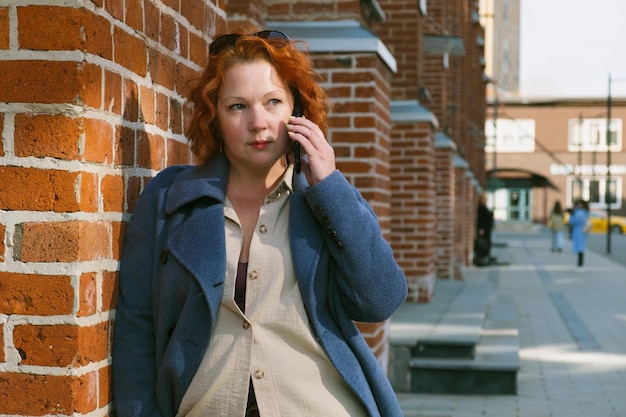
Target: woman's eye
[274, 102]
[237, 106]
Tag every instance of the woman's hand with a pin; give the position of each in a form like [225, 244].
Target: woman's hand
[320, 161]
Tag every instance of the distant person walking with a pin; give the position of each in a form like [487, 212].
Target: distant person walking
[557, 226]
[578, 220]
[484, 226]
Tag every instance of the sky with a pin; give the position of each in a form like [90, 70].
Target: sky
[569, 48]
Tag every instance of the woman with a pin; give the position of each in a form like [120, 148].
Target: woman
[557, 226]
[578, 220]
[240, 280]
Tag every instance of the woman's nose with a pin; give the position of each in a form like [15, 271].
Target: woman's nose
[258, 118]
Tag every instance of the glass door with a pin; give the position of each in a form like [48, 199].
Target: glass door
[519, 204]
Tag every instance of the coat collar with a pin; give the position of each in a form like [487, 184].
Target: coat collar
[206, 180]
[209, 180]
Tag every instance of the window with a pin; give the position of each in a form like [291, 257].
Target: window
[512, 135]
[598, 191]
[590, 135]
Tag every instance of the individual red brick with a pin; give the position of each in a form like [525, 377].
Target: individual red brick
[98, 141]
[176, 116]
[153, 20]
[113, 92]
[61, 345]
[28, 81]
[117, 233]
[109, 290]
[64, 241]
[195, 12]
[133, 190]
[2, 246]
[134, 14]
[31, 294]
[178, 153]
[104, 382]
[131, 101]
[48, 190]
[64, 28]
[147, 105]
[130, 52]
[162, 69]
[40, 395]
[42, 135]
[2, 359]
[4, 28]
[150, 151]
[168, 33]
[161, 111]
[124, 146]
[115, 8]
[87, 295]
[185, 77]
[183, 42]
[113, 193]
[198, 49]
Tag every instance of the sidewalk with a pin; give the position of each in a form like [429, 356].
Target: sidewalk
[572, 336]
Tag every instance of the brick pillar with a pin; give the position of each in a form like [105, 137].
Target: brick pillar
[413, 211]
[463, 222]
[92, 107]
[445, 191]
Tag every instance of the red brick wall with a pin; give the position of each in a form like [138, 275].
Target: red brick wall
[92, 106]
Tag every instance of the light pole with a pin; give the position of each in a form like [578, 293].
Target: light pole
[608, 195]
[607, 190]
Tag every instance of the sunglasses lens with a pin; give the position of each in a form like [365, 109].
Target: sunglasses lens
[271, 34]
[222, 42]
[226, 41]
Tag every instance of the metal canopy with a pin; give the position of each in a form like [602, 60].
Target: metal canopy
[518, 177]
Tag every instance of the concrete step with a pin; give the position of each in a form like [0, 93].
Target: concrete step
[463, 342]
[493, 369]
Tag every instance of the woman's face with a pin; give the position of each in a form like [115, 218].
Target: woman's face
[253, 108]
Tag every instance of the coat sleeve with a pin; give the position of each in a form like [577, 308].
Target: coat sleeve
[134, 358]
[370, 281]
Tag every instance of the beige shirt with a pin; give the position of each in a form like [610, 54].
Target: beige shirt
[273, 342]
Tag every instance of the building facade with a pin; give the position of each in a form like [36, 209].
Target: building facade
[555, 149]
[501, 20]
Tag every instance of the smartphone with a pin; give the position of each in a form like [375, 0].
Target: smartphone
[297, 112]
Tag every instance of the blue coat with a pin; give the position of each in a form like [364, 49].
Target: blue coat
[172, 277]
[579, 238]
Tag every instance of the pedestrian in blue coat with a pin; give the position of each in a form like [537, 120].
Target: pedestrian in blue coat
[241, 277]
[579, 223]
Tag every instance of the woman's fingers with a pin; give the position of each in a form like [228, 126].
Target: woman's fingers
[320, 155]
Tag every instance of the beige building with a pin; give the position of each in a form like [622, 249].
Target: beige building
[555, 149]
[501, 20]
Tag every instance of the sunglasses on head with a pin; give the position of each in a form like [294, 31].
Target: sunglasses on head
[227, 41]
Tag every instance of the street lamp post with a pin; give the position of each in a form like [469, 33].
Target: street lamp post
[607, 187]
[608, 194]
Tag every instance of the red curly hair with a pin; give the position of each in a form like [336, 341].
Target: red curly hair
[292, 65]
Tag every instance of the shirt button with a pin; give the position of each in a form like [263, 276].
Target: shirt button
[258, 374]
[318, 210]
[246, 325]
[263, 229]
[253, 275]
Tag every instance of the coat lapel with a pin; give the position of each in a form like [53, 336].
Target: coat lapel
[196, 200]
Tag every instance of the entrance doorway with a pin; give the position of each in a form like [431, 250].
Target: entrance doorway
[512, 204]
